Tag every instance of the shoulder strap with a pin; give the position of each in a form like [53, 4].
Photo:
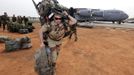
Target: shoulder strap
[48, 28]
[65, 25]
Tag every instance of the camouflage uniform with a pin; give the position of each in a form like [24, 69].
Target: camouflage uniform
[14, 19]
[25, 20]
[5, 20]
[19, 19]
[55, 36]
[72, 11]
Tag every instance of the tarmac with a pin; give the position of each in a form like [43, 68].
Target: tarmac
[106, 24]
[98, 51]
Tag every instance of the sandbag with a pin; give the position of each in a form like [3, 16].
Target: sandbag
[43, 62]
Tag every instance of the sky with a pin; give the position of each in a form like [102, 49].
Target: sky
[26, 7]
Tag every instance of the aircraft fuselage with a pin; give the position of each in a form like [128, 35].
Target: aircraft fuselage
[100, 15]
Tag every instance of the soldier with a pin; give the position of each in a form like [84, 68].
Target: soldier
[5, 20]
[25, 20]
[19, 19]
[72, 11]
[73, 27]
[55, 32]
[14, 18]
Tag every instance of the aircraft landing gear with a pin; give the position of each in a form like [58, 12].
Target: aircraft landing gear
[119, 22]
[113, 22]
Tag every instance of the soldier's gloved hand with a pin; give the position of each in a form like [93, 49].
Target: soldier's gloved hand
[45, 43]
[65, 13]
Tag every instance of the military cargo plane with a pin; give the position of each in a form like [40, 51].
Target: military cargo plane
[84, 14]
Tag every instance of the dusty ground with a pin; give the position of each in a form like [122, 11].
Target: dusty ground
[98, 51]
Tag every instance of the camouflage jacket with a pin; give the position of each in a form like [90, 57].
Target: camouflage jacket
[56, 32]
[4, 18]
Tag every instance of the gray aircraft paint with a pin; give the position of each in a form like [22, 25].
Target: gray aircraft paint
[100, 15]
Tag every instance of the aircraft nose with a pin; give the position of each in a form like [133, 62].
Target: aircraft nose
[126, 16]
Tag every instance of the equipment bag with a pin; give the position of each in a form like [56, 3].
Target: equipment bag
[12, 45]
[4, 38]
[23, 31]
[43, 62]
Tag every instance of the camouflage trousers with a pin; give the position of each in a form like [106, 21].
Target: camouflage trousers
[52, 57]
[55, 53]
[54, 48]
[4, 25]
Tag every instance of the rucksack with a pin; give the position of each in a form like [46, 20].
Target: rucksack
[12, 45]
[18, 43]
[23, 31]
[43, 62]
[4, 38]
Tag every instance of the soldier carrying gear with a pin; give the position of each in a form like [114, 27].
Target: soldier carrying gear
[5, 20]
[55, 32]
[54, 20]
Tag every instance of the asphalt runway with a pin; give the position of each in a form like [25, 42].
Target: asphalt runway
[106, 24]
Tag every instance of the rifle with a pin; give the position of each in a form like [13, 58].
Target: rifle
[35, 5]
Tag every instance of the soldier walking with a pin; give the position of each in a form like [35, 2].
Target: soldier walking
[55, 32]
